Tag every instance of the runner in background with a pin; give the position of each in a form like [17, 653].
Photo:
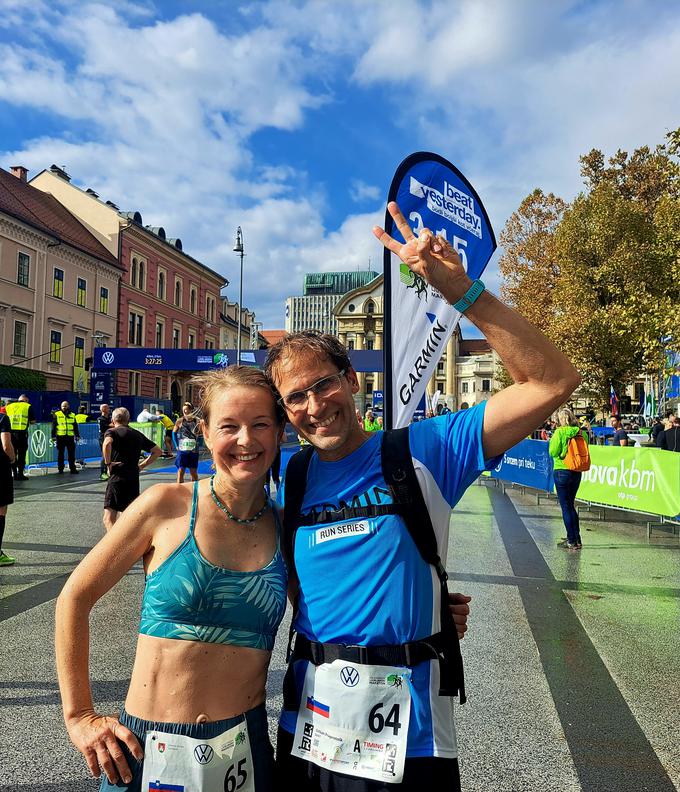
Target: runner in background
[187, 430]
[7, 459]
[121, 451]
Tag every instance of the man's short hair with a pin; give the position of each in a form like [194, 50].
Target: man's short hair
[121, 415]
[311, 342]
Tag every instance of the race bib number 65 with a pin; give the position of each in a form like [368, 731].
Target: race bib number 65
[354, 719]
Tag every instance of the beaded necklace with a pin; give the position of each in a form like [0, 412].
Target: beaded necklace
[223, 507]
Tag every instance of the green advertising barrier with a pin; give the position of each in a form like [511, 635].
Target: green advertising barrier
[642, 479]
[42, 449]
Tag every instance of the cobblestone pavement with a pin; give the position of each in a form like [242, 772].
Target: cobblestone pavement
[572, 659]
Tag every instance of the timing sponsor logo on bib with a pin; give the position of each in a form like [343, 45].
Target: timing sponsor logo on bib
[331, 532]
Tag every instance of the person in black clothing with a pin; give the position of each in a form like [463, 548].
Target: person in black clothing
[670, 439]
[7, 459]
[105, 424]
[620, 435]
[121, 450]
[657, 429]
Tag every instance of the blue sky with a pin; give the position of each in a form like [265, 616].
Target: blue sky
[290, 118]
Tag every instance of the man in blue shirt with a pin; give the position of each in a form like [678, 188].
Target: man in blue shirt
[362, 582]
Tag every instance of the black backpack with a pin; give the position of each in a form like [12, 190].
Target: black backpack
[400, 476]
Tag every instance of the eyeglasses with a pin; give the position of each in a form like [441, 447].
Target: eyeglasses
[297, 400]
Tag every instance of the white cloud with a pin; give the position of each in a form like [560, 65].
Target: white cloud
[167, 112]
[360, 191]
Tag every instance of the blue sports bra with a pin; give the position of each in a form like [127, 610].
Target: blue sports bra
[190, 599]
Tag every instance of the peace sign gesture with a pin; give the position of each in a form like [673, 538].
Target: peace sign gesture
[427, 255]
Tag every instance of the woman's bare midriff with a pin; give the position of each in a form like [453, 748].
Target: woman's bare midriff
[177, 681]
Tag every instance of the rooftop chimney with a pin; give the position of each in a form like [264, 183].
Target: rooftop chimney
[19, 171]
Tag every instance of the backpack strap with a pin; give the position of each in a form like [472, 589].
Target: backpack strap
[400, 475]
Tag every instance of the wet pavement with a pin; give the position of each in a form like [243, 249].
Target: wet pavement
[572, 658]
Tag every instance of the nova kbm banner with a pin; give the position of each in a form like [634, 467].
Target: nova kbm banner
[432, 194]
[643, 479]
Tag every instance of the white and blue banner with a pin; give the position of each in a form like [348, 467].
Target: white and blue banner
[432, 194]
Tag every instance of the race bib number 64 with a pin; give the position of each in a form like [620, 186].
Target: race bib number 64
[354, 719]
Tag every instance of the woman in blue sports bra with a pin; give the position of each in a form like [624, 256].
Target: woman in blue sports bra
[214, 596]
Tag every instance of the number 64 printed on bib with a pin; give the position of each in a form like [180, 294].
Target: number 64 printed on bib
[354, 719]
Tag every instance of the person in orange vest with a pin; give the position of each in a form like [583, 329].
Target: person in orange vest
[65, 431]
[20, 414]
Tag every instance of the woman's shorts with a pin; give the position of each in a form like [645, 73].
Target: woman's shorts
[186, 459]
[258, 732]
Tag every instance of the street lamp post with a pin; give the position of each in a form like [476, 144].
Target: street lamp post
[238, 248]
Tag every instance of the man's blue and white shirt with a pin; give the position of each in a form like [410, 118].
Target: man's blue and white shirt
[364, 582]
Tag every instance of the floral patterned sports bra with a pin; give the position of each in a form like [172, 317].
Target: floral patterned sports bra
[190, 599]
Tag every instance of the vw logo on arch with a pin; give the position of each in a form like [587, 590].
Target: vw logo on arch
[349, 676]
[108, 358]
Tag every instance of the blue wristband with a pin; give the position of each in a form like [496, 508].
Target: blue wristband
[470, 296]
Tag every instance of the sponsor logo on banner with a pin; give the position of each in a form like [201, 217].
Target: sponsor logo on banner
[38, 443]
[453, 205]
[624, 475]
[431, 350]
[108, 358]
[220, 359]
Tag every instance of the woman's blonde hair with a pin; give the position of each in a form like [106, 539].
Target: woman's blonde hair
[566, 417]
[211, 383]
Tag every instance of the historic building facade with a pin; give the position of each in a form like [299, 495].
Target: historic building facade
[60, 286]
[167, 298]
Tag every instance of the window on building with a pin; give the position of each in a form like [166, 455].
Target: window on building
[350, 343]
[190, 393]
[175, 337]
[134, 383]
[210, 309]
[157, 388]
[20, 335]
[160, 293]
[23, 269]
[133, 272]
[55, 346]
[209, 343]
[370, 307]
[178, 293]
[136, 328]
[141, 275]
[486, 385]
[369, 386]
[79, 352]
[192, 300]
[192, 340]
[58, 283]
[465, 387]
[160, 335]
[440, 367]
[81, 296]
[369, 343]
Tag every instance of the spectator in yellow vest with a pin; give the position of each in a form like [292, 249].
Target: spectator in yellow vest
[81, 415]
[65, 431]
[20, 414]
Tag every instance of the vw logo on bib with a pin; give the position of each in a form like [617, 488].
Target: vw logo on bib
[349, 676]
[38, 443]
[203, 753]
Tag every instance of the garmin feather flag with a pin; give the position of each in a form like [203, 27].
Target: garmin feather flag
[433, 194]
